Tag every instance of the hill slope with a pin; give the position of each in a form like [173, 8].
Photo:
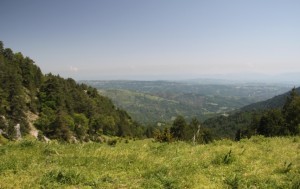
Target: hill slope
[63, 109]
[279, 115]
[275, 102]
[255, 163]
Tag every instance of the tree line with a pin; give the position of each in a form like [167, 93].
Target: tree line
[181, 130]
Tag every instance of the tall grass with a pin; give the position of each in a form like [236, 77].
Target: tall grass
[255, 163]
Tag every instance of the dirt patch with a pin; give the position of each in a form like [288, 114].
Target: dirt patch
[31, 118]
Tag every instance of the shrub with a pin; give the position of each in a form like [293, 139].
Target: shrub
[50, 151]
[233, 182]
[68, 177]
[112, 142]
[223, 159]
[3, 140]
[27, 143]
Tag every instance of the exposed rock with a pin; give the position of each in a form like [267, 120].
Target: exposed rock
[4, 120]
[31, 118]
[18, 132]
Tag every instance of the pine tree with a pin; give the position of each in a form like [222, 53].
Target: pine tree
[291, 112]
[178, 129]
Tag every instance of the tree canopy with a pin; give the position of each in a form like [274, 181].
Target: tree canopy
[65, 108]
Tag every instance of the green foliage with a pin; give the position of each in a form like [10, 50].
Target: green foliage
[296, 184]
[271, 123]
[163, 136]
[66, 110]
[192, 132]
[1, 47]
[179, 128]
[274, 120]
[112, 142]
[233, 182]
[61, 128]
[223, 159]
[81, 125]
[272, 103]
[227, 126]
[291, 112]
[280, 122]
[3, 140]
[228, 158]
[62, 177]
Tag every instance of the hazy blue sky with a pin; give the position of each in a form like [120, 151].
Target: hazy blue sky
[158, 39]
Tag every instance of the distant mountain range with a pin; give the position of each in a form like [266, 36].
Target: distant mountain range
[288, 79]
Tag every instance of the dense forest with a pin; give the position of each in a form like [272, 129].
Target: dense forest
[60, 108]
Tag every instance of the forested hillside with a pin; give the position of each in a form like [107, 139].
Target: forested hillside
[279, 116]
[275, 102]
[59, 108]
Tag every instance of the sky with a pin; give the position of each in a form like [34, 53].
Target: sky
[154, 39]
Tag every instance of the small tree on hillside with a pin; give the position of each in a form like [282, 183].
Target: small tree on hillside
[163, 136]
[179, 128]
[271, 123]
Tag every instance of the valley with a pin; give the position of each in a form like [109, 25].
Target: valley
[151, 102]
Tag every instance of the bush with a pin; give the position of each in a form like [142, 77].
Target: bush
[223, 159]
[3, 140]
[27, 143]
[233, 182]
[50, 151]
[68, 177]
[112, 142]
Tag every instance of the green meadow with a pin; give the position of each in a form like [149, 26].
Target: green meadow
[258, 162]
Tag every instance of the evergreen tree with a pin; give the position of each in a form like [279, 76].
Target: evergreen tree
[271, 123]
[178, 129]
[81, 125]
[291, 112]
[8, 54]
[1, 47]
[61, 127]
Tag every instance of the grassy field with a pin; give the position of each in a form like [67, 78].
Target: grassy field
[255, 163]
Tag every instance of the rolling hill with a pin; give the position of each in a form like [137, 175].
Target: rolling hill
[275, 102]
